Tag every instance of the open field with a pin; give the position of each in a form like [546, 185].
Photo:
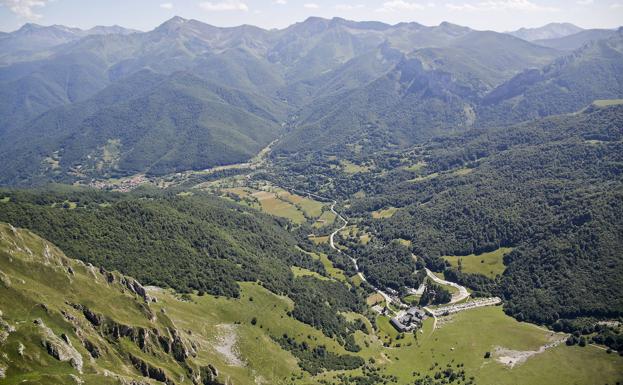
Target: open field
[282, 203]
[333, 271]
[465, 338]
[405, 242]
[311, 207]
[352, 168]
[374, 299]
[351, 231]
[303, 272]
[317, 239]
[424, 177]
[275, 206]
[415, 167]
[462, 171]
[326, 218]
[489, 264]
[384, 213]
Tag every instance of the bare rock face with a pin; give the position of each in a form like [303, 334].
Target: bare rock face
[4, 279]
[92, 348]
[5, 329]
[135, 287]
[58, 348]
[208, 375]
[150, 371]
[180, 353]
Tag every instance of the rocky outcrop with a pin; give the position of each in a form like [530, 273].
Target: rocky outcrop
[178, 349]
[150, 371]
[95, 319]
[4, 279]
[5, 329]
[59, 348]
[208, 375]
[91, 348]
[130, 283]
[135, 287]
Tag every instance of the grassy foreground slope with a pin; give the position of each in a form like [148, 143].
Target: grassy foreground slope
[64, 322]
[117, 337]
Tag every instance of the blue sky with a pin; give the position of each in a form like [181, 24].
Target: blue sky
[499, 15]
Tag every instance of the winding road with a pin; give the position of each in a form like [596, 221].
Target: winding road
[387, 297]
[456, 297]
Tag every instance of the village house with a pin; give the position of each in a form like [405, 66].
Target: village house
[409, 320]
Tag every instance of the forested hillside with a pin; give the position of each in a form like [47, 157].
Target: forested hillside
[188, 243]
[147, 123]
[551, 189]
[117, 103]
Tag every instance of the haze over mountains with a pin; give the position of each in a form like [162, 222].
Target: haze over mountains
[110, 101]
[549, 31]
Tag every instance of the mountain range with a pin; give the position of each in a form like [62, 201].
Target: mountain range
[109, 101]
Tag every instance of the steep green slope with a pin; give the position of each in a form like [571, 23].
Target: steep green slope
[64, 322]
[595, 71]
[190, 243]
[424, 93]
[215, 243]
[148, 123]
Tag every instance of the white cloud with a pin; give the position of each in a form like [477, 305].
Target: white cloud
[228, 5]
[402, 5]
[585, 2]
[311, 6]
[494, 5]
[281, 2]
[24, 8]
[166, 5]
[348, 7]
[616, 5]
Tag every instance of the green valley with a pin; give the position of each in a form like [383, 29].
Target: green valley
[333, 202]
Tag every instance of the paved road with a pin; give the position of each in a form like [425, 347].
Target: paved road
[387, 297]
[456, 297]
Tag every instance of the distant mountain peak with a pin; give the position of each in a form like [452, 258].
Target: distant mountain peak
[548, 31]
[29, 27]
[110, 30]
[173, 22]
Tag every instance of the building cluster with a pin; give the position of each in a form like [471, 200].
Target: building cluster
[409, 320]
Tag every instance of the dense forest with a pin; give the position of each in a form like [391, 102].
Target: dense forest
[551, 189]
[190, 243]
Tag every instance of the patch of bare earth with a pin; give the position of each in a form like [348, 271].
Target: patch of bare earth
[511, 358]
[225, 344]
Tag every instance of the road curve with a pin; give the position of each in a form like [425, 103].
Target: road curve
[387, 297]
[457, 297]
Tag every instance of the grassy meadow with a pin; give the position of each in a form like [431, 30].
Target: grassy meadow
[489, 264]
